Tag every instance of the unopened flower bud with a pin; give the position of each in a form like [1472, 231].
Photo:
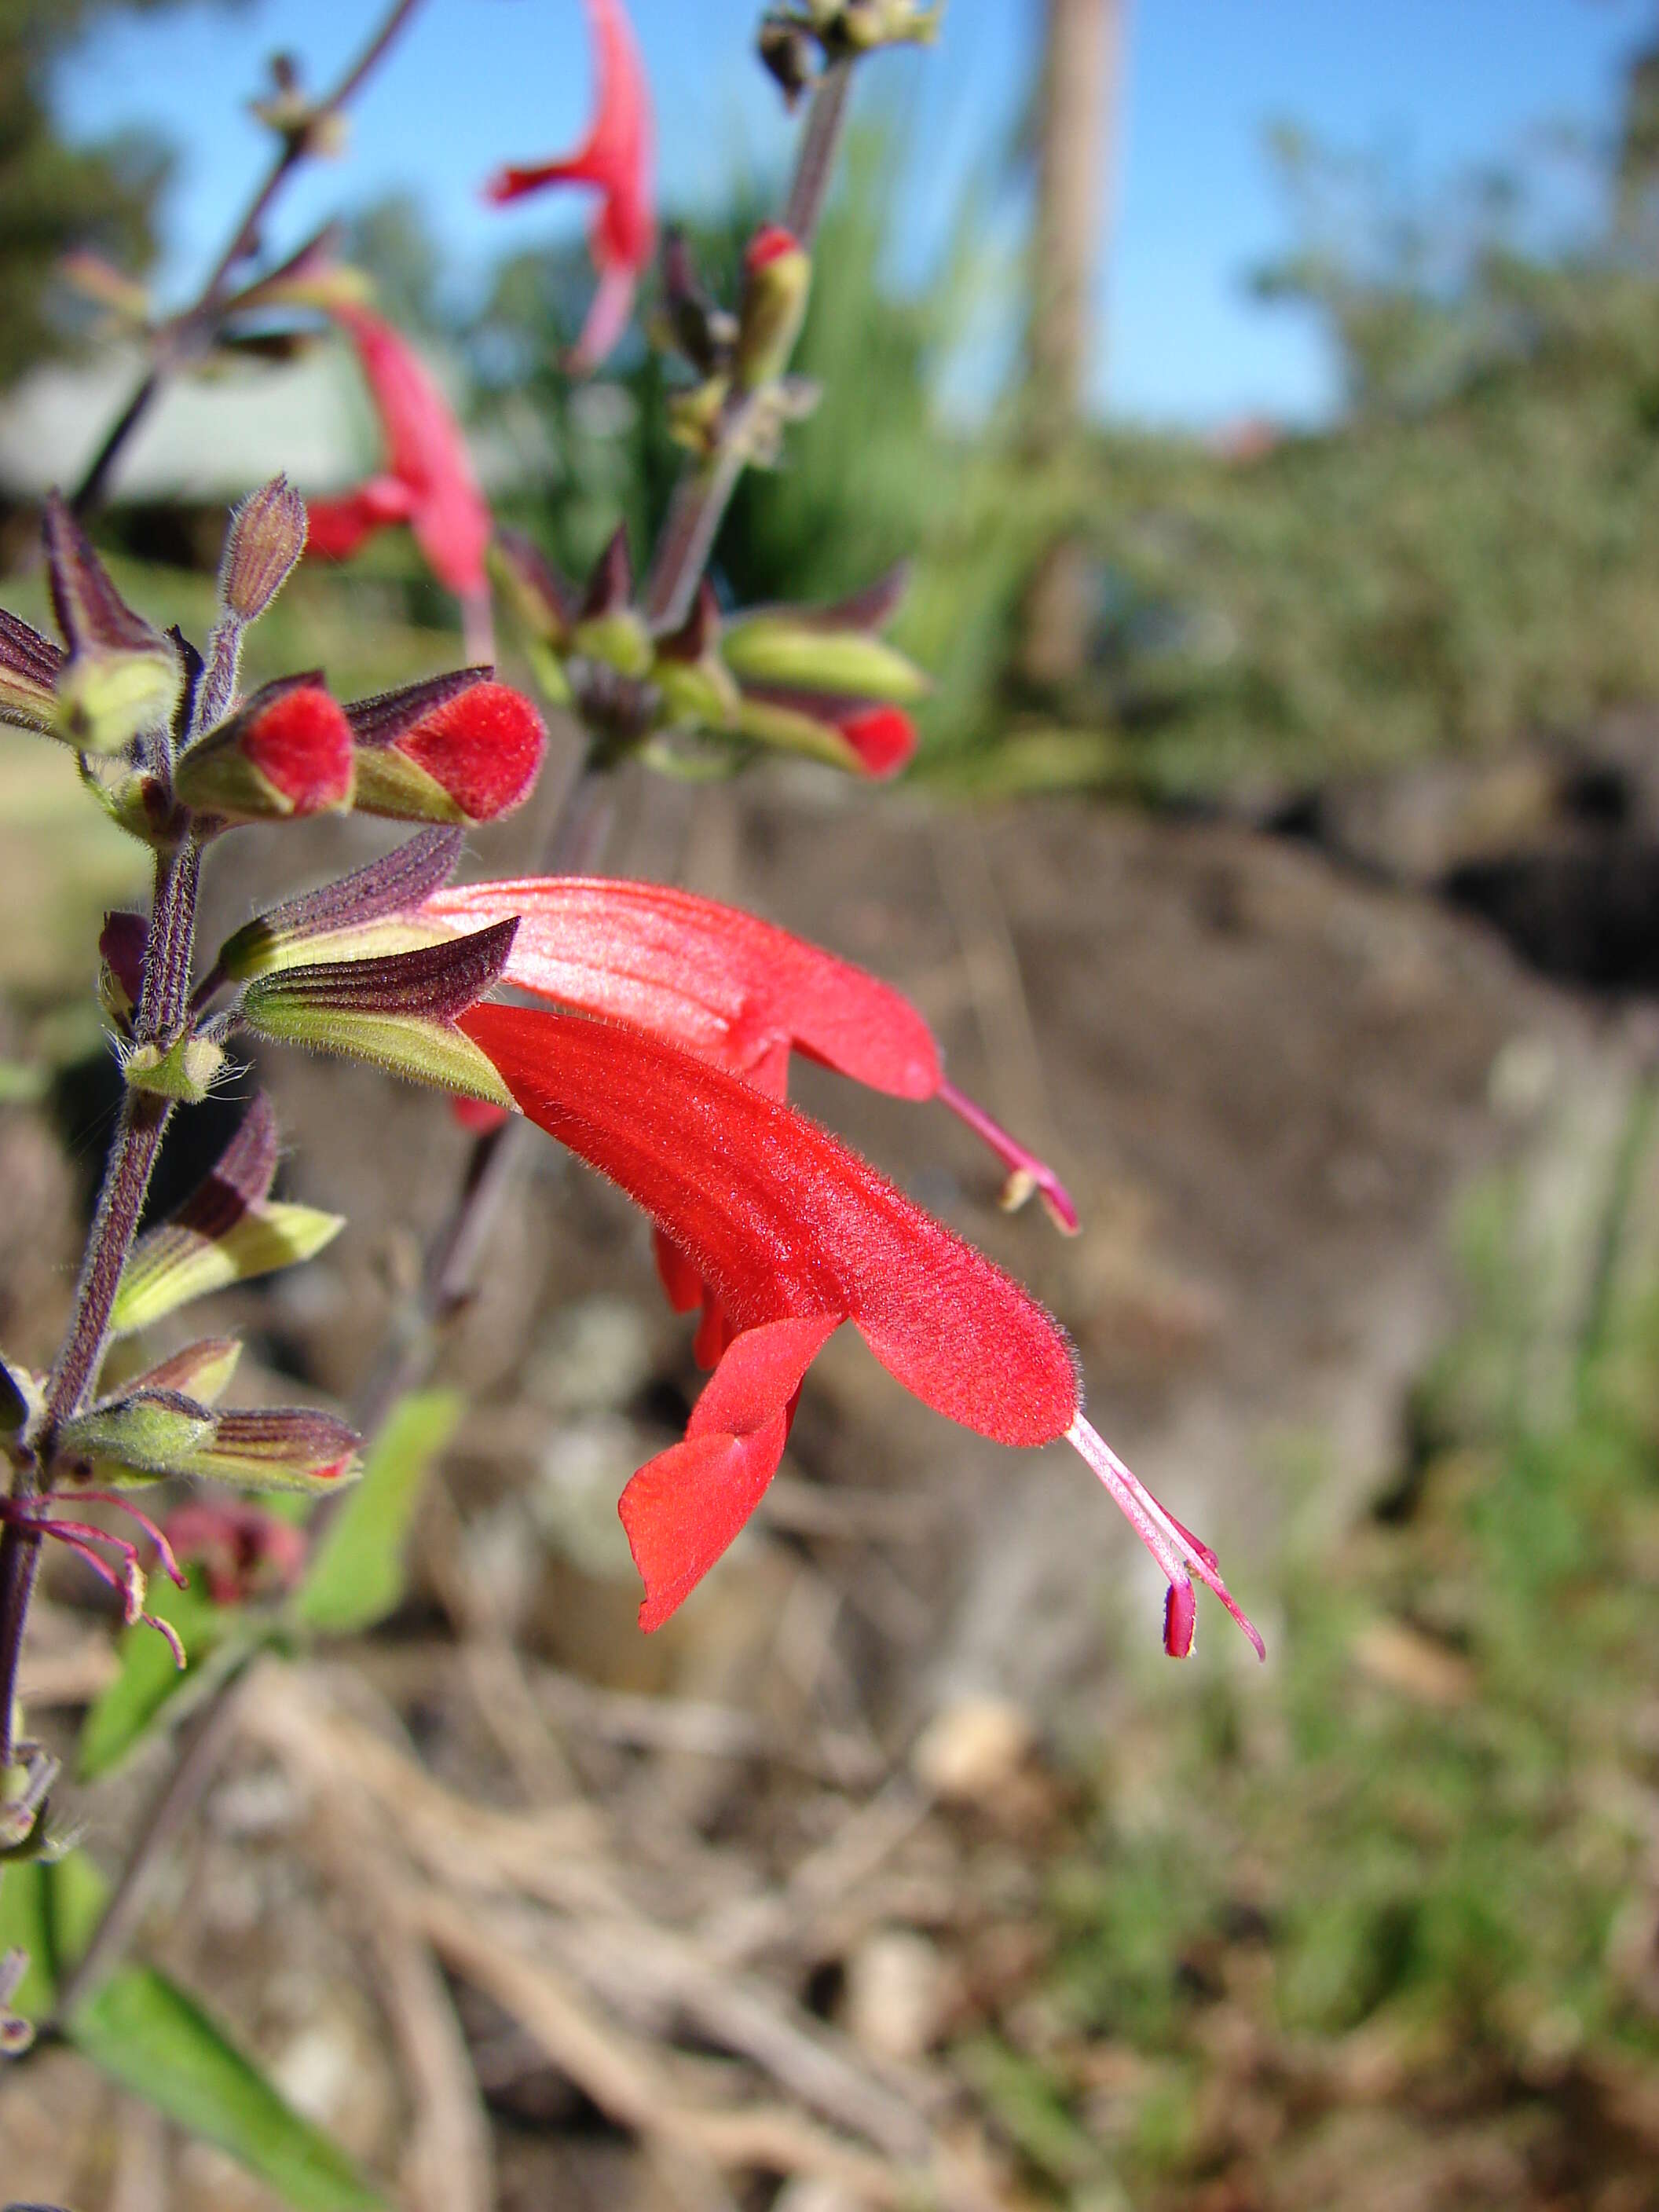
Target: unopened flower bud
[777, 276]
[434, 752]
[286, 752]
[786, 54]
[267, 536]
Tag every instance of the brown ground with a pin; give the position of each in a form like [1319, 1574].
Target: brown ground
[713, 1902]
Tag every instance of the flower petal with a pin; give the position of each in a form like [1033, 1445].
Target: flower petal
[684, 1508]
[783, 1222]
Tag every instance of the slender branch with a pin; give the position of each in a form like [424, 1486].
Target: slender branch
[575, 844]
[703, 493]
[206, 1738]
[815, 164]
[186, 331]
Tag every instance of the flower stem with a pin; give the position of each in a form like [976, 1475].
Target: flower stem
[188, 330]
[138, 1135]
[575, 845]
[704, 492]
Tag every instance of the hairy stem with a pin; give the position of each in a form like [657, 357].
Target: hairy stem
[703, 493]
[495, 1159]
[196, 323]
[131, 1160]
[447, 1279]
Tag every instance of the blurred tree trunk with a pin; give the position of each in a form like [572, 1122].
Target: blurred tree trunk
[1078, 105]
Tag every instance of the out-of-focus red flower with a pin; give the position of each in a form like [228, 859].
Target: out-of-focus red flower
[428, 482]
[242, 1549]
[796, 1234]
[883, 739]
[616, 159]
[732, 988]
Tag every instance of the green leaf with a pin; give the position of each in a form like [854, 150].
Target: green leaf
[171, 1265]
[146, 2033]
[150, 1681]
[151, 2037]
[357, 1577]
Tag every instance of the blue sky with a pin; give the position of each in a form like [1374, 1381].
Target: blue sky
[1437, 85]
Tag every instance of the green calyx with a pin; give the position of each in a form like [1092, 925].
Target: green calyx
[104, 699]
[390, 783]
[620, 639]
[170, 1266]
[140, 1438]
[789, 731]
[773, 648]
[698, 694]
[185, 1070]
[258, 949]
[417, 1047]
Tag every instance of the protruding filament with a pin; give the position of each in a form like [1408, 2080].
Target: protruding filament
[1026, 1173]
[1177, 1551]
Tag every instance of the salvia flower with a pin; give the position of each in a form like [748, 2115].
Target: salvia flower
[428, 482]
[796, 1236]
[616, 160]
[737, 991]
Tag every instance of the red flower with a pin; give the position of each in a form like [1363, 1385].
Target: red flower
[730, 987]
[883, 739]
[241, 1548]
[428, 481]
[797, 1234]
[615, 158]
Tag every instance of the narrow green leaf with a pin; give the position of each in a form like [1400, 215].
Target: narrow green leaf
[145, 2032]
[150, 1682]
[358, 1575]
[148, 2035]
[23, 1927]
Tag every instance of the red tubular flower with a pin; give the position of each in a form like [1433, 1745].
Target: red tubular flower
[797, 1234]
[615, 158]
[730, 987]
[428, 482]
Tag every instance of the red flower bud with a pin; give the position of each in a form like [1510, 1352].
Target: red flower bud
[286, 751]
[470, 756]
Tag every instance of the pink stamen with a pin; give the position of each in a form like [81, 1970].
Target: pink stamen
[1177, 1551]
[165, 1553]
[1026, 1173]
[81, 1536]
